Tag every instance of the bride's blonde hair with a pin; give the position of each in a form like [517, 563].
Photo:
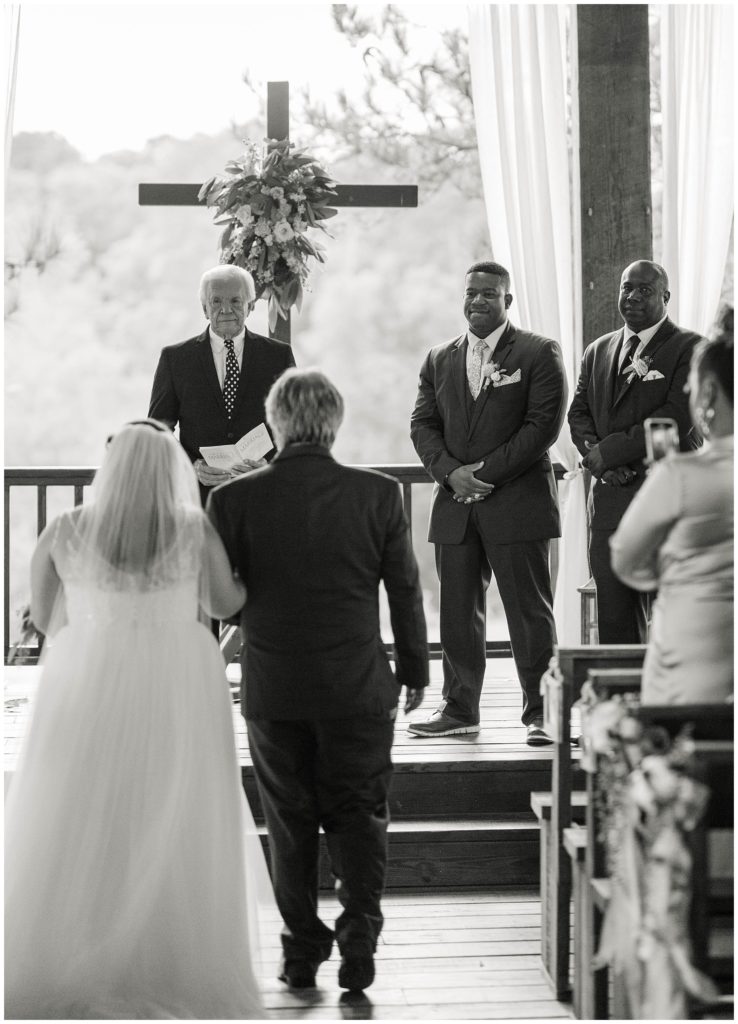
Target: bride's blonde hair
[142, 498]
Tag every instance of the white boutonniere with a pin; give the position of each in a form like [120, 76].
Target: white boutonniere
[637, 367]
[492, 372]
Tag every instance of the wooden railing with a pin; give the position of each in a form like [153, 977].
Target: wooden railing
[408, 475]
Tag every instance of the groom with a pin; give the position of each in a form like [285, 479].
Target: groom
[490, 404]
[312, 540]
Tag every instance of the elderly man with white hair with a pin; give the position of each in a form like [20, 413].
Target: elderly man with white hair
[214, 385]
[313, 540]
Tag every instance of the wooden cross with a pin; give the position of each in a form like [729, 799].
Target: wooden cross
[278, 127]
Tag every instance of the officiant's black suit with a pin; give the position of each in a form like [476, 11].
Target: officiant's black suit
[186, 390]
[312, 540]
[609, 411]
[511, 429]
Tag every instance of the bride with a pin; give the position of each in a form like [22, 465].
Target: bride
[129, 889]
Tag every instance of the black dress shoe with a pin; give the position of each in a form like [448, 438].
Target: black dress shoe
[537, 737]
[356, 972]
[441, 724]
[299, 973]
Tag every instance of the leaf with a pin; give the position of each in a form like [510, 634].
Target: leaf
[226, 236]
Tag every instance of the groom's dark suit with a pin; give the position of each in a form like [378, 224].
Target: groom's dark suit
[509, 427]
[609, 412]
[186, 390]
[312, 540]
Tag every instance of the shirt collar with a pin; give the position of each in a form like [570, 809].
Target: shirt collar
[645, 335]
[218, 343]
[491, 340]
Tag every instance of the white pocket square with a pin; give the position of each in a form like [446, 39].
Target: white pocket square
[514, 378]
[654, 375]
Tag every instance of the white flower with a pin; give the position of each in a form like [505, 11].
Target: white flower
[276, 192]
[492, 372]
[244, 214]
[638, 367]
[282, 231]
[262, 228]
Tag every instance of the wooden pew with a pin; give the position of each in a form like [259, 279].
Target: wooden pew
[561, 686]
[712, 730]
[606, 682]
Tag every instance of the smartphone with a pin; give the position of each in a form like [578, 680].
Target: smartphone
[662, 438]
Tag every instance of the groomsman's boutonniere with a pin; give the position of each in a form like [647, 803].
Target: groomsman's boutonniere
[637, 367]
[492, 372]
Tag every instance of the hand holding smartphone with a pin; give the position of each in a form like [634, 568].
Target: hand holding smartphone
[662, 438]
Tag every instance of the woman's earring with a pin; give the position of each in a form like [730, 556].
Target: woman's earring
[704, 418]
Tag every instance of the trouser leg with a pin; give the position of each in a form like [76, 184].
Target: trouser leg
[284, 756]
[621, 611]
[354, 769]
[524, 581]
[464, 574]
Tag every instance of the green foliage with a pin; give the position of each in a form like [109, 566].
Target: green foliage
[415, 113]
[268, 201]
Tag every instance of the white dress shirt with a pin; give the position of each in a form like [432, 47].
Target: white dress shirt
[645, 337]
[490, 344]
[217, 345]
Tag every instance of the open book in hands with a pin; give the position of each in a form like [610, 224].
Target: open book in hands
[253, 445]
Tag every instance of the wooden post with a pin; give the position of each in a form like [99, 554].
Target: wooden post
[278, 127]
[614, 153]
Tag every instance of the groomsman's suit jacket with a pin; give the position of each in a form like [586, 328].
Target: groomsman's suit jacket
[610, 413]
[510, 427]
[186, 390]
[311, 540]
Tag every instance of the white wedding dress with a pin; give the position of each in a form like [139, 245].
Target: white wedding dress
[129, 892]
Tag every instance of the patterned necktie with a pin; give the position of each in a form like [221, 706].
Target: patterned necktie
[475, 370]
[231, 377]
[626, 355]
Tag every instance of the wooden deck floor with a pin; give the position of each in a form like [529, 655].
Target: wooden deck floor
[472, 955]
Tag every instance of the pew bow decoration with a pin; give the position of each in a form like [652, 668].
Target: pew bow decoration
[268, 201]
[648, 803]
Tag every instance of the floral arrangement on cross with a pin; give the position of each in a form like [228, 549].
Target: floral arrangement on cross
[268, 200]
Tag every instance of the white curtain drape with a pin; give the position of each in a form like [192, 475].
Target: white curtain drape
[527, 135]
[697, 101]
[11, 24]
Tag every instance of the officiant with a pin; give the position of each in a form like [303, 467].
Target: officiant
[214, 385]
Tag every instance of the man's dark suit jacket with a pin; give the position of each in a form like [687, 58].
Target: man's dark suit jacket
[510, 427]
[312, 539]
[186, 390]
[611, 415]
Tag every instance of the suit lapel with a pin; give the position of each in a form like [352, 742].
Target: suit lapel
[209, 373]
[458, 371]
[663, 334]
[246, 360]
[499, 355]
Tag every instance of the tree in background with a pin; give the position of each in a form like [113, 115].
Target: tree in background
[415, 114]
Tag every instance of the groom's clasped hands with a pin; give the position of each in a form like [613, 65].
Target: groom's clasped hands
[466, 487]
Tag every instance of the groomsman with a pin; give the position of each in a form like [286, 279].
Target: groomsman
[214, 385]
[490, 404]
[635, 372]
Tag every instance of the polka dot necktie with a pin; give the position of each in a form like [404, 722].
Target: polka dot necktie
[231, 377]
[475, 370]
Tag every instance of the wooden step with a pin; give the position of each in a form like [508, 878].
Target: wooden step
[498, 785]
[453, 855]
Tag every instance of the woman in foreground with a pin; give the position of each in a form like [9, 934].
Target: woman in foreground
[677, 537]
[128, 889]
